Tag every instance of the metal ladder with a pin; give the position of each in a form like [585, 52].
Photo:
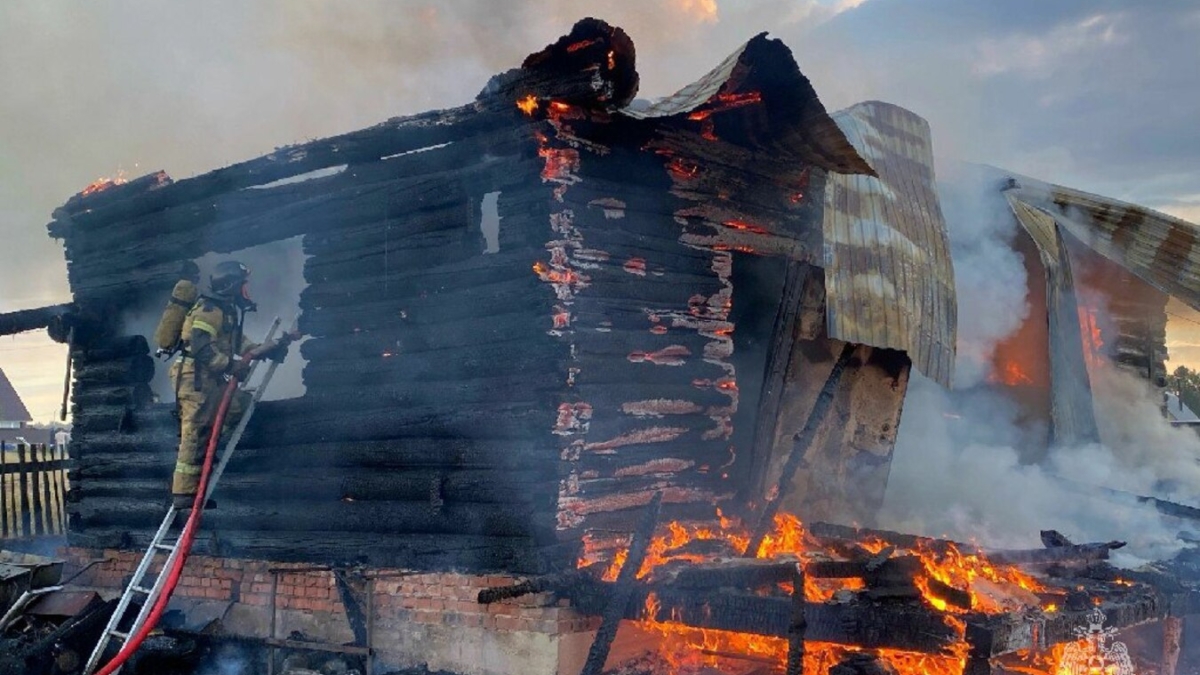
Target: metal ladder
[163, 543]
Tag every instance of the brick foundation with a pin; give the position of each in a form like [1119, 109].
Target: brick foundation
[417, 618]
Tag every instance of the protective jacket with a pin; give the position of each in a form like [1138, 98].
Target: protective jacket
[211, 338]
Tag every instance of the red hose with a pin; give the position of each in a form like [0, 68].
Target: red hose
[185, 541]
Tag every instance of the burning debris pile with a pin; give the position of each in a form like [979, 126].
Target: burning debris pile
[828, 598]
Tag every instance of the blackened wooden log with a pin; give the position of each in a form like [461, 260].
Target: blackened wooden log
[410, 551]
[906, 541]
[116, 348]
[445, 365]
[96, 465]
[737, 573]
[495, 421]
[394, 136]
[798, 624]
[463, 452]
[128, 370]
[465, 391]
[535, 585]
[800, 447]
[105, 193]
[623, 589]
[23, 320]
[130, 395]
[1062, 554]
[379, 517]
[99, 418]
[593, 66]
[419, 486]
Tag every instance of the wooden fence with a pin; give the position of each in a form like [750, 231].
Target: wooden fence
[33, 490]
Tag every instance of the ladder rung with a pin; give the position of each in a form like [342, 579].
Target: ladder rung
[142, 590]
[119, 634]
[165, 547]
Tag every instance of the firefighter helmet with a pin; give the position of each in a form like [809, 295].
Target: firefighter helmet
[229, 280]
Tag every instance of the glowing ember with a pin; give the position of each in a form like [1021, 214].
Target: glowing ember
[1009, 374]
[682, 648]
[723, 102]
[528, 105]
[1092, 342]
[101, 184]
[742, 225]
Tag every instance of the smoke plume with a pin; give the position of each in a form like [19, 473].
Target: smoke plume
[959, 469]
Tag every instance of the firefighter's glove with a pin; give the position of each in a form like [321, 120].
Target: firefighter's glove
[240, 369]
[277, 353]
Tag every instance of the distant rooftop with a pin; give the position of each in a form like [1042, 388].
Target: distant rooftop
[12, 408]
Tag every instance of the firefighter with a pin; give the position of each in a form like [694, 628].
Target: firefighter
[213, 350]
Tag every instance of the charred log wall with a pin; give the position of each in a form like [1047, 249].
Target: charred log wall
[473, 404]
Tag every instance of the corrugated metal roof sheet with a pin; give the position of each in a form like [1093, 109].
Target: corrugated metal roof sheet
[888, 276]
[1160, 249]
[1073, 420]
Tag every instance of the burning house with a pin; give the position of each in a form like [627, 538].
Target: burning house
[559, 328]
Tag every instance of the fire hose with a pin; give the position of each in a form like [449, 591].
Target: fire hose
[185, 540]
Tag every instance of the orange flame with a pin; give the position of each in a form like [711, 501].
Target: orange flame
[101, 184]
[991, 588]
[1010, 374]
[1092, 341]
[528, 104]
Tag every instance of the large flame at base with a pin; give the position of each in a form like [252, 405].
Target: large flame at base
[682, 649]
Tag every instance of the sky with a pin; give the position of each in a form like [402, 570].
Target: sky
[1096, 94]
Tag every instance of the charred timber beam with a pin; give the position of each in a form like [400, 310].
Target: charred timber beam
[392, 137]
[111, 349]
[800, 447]
[994, 635]
[1163, 506]
[539, 584]
[623, 590]
[1060, 554]
[23, 320]
[798, 625]
[846, 533]
[743, 573]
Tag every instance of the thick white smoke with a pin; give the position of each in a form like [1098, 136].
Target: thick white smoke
[958, 470]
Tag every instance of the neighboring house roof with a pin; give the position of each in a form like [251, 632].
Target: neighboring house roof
[12, 408]
[888, 276]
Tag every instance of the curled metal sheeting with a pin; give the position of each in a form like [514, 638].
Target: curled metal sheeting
[1161, 250]
[797, 125]
[888, 276]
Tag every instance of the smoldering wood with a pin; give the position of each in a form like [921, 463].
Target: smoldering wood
[870, 625]
[114, 348]
[23, 320]
[380, 517]
[1060, 554]
[538, 584]
[137, 369]
[846, 533]
[800, 447]
[392, 137]
[623, 588]
[101, 418]
[736, 573]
